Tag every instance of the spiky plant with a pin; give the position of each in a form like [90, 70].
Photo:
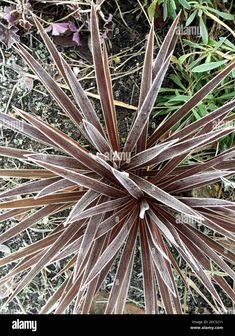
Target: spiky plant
[124, 203]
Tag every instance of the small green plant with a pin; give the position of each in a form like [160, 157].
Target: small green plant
[204, 58]
[194, 11]
[120, 197]
[203, 9]
[191, 72]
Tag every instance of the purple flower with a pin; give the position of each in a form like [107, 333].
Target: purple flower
[109, 19]
[72, 27]
[76, 38]
[61, 28]
[57, 28]
[9, 36]
[9, 16]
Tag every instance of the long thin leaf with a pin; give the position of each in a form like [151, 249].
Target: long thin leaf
[113, 247]
[63, 239]
[44, 212]
[148, 274]
[164, 197]
[146, 108]
[62, 99]
[124, 264]
[69, 145]
[60, 185]
[146, 82]
[191, 103]
[28, 188]
[128, 184]
[51, 199]
[26, 173]
[24, 128]
[213, 117]
[102, 208]
[103, 82]
[82, 180]
[146, 156]
[96, 137]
